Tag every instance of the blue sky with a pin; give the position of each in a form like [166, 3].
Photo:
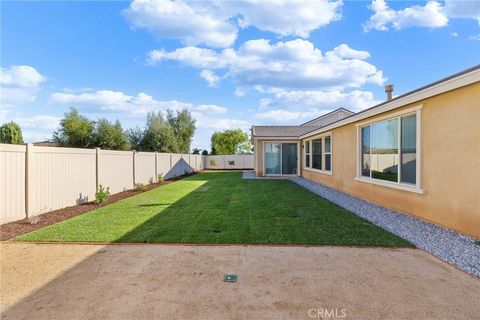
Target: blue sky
[233, 64]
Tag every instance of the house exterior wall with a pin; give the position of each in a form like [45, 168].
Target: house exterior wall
[449, 169]
[258, 161]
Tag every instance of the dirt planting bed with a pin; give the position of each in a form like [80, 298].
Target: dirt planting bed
[15, 228]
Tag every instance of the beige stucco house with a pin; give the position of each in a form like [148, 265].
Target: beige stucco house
[418, 153]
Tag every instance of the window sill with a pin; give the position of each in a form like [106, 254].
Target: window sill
[393, 185]
[318, 171]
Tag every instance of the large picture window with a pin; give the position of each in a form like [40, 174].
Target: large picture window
[388, 150]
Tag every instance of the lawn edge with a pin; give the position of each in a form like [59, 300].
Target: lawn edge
[133, 192]
[194, 244]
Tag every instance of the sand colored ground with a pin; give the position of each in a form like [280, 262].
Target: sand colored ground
[40, 281]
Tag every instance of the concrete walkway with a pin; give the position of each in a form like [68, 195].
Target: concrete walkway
[61, 281]
[448, 245]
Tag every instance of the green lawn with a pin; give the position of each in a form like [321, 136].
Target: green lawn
[220, 207]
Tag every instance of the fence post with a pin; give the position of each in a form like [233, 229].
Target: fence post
[97, 155]
[189, 163]
[29, 172]
[156, 169]
[134, 152]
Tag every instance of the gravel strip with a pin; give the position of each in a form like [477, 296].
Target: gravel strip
[448, 245]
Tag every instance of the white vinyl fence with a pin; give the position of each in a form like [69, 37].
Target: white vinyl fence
[234, 161]
[35, 180]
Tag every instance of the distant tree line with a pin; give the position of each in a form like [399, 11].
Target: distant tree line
[170, 133]
[173, 133]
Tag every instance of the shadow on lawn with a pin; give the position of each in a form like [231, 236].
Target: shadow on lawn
[199, 216]
[223, 209]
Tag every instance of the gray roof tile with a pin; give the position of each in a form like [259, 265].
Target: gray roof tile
[281, 131]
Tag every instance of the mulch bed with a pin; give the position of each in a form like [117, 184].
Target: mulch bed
[16, 228]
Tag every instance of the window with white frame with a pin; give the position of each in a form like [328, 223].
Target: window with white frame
[389, 150]
[318, 153]
[328, 153]
[307, 154]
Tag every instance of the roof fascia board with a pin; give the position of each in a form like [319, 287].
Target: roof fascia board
[275, 138]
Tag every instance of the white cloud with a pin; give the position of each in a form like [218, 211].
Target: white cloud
[290, 107]
[117, 101]
[38, 122]
[289, 64]
[297, 18]
[216, 23]
[430, 15]
[37, 128]
[211, 108]
[18, 85]
[209, 76]
[282, 116]
[463, 9]
[320, 99]
[239, 92]
[209, 117]
[3, 115]
[206, 122]
[108, 100]
[180, 20]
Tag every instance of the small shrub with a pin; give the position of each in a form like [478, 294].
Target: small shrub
[34, 219]
[231, 162]
[477, 242]
[212, 163]
[185, 172]
[160, 178]
[140, 187]
[102, 194]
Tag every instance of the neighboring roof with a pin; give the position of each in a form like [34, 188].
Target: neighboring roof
[297, 131]
[46, 144]
[458, 80]
[281, 131]
[344, 110]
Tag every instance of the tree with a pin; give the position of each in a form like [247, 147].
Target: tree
[196, 151]
[75, 130]
[135, 137]
[230, 142]
[109, 136]
[158, 135]
[183, 126]
[205, 152]
[11, 133]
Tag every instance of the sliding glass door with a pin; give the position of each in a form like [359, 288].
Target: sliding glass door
[289, 158]
[280, 158]
[272, 158]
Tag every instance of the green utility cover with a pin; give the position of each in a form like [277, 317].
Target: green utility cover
[230, 278]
